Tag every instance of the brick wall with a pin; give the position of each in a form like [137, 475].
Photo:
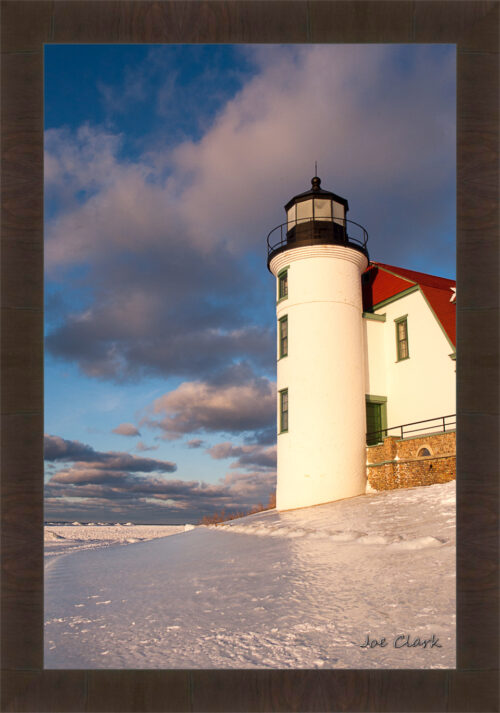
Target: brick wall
[397, 463]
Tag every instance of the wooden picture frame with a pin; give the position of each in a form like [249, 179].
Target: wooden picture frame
[26, 26]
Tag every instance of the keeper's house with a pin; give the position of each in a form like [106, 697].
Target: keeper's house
[409, 325]
[409, 332]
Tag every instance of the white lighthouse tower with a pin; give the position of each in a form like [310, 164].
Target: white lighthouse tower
[320, 361]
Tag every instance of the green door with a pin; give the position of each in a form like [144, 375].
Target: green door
[373, 423]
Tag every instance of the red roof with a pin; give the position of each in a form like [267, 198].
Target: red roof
[380, 282]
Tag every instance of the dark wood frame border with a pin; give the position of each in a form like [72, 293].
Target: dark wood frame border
[26, 25]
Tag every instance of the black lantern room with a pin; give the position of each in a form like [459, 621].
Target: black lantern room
[316, 217]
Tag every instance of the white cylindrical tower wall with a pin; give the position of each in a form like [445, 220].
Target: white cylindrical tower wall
[322, 455]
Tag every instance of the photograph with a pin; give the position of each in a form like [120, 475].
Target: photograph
[250, 356]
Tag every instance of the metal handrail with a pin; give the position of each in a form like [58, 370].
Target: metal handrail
[314, 221]
[441, 426]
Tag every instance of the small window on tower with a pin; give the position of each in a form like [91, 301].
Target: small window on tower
[283, 410]
[283, 285]
[402, 338]
[283, 351]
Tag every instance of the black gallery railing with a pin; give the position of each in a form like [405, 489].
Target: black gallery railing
[308, 231]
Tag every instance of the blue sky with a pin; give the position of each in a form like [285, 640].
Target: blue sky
[165, 168]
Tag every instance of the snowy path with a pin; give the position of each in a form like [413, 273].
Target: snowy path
[300, 589]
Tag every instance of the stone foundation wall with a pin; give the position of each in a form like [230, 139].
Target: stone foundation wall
[398, 463]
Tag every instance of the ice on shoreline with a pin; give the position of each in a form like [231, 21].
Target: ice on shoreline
[63, 539]
[300, 589]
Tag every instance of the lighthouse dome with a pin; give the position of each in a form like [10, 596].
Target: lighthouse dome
[318, 193]
[316, 217]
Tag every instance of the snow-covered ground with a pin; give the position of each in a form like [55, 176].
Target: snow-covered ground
[63, 539]
[301, 589]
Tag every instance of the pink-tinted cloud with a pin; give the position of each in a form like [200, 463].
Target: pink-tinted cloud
[195, 443]
[248, 456]
[85, 458]
[252, 487]
[93, 487]
[163, 233]
[198, 406]
[144, 447]
[370, 126]
[126, 429]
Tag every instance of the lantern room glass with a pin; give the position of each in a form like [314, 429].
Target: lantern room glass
[304, 210]
[322, 209]
[338, 213]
